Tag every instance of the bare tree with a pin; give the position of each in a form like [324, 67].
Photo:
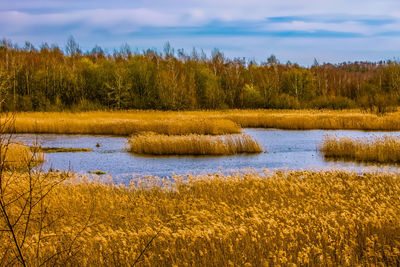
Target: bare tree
[24, 210]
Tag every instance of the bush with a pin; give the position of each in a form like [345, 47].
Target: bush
[380, 104]
[338, 102]
[86, 105]
[284, 101]
[252, 97]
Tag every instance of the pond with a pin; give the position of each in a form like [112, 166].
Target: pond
[295, 150]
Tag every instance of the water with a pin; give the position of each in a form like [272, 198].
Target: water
[297, 150]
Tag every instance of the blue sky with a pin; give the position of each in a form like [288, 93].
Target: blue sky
[295, 30]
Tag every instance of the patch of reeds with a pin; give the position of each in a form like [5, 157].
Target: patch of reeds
[287, 218]
[19, 156]
[97, 172]
[156, 144]
[200, 122]
[313, 119]
[121, 123]
[384, 149]
[60, 149]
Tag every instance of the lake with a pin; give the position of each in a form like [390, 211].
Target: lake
[294, 150]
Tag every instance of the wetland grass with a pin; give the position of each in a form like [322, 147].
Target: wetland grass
[121, 123]
[156, 144]
[97, 172]
[19, 156]
[384, 149]
[60, 149]
[314, 119]
[199, 122]
[287, 218]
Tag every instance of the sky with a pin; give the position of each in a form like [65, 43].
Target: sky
[293, 30]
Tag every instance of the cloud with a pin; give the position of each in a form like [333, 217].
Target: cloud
[98, 18]
[191, 22]
[252, 25]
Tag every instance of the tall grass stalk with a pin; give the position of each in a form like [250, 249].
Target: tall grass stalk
[155, 144]
[384, 149]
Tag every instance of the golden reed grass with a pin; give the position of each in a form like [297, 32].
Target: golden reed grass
[313, 119]
[121, 123]
[384, 149]
[199, 122]
[288, 218]
[19, 156]
[156, 144]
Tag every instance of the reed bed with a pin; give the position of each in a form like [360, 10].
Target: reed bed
[61, 149]
[200, 122]
[312, 119]
[384, 149]
[120, 123]
[19, 156]
[289, 218]
[156, 144]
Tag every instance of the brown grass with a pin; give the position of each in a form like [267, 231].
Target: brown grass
[19, 156]
[121, 123]
[299, 218]
[312, 119]
[200, 122]
[384, 149]
[155, 144]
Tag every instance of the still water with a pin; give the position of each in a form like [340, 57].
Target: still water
[297, 150]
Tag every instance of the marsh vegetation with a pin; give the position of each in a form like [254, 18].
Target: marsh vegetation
[61, 149]
[155, 144]
[312, 119]
[122, 123]
[199, 122]
[19, 156]
[316, 218]
[384, 149]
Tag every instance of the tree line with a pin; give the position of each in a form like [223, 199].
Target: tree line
[51, 79]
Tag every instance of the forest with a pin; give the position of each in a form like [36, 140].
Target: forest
[50, 78]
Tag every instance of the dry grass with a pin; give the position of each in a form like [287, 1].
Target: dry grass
[19, 156]
[302, 218]
[156, 144]
[312, 119]
[121, 123]
[384, 149]
[61, 149]
[199, 122]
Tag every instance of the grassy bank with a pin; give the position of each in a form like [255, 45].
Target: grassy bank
[156, 144]
[384, 149]
[200, 122]
[305, 218]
